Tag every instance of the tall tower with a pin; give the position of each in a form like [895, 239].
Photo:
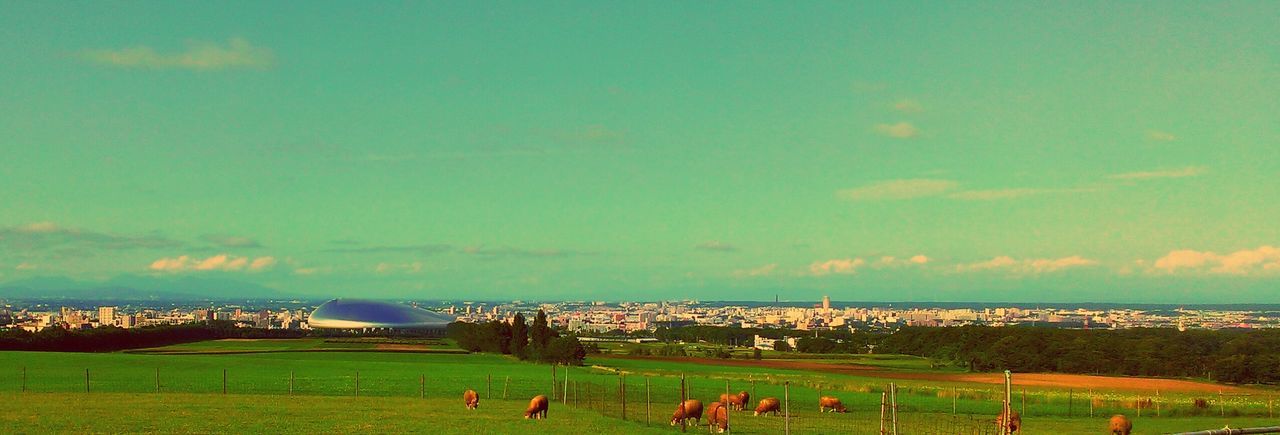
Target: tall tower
[826, 308]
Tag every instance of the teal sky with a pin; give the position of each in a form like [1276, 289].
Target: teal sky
[996, 151]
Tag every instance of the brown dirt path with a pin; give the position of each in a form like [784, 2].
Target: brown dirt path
[1054, 380]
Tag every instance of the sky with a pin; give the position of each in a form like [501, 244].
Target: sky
[611, 150]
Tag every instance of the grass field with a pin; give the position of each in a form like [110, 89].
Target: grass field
[324, 386]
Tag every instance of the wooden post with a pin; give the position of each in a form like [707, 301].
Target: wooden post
[488, 386]
[883, 399]
[1070, 392]
[224, 381]
[1157, 403]
[1222, 407]
[753, 389]
[726, 403]
[24, 379]
[1138, 405]
[954, 397]
[683, 426]
[357, 383]
[1008, 403]
[157, 379]
[290, 382]
[786, 408]
[504, 387]
[622, 397]
[1269, 414]
[86, 380]
[553, 382]
[566, 386]
[1090, 403]
[647, 403]
[893, 405]
[422, 386]
[1024, 402]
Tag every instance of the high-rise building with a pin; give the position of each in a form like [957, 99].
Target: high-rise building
[106, 316]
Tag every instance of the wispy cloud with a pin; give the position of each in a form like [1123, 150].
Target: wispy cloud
[199, 55]
[1264, 259]
[901, 130]
[1189, 171]
[908, 105]
[509, 252]
[1161, 136]
[842, 266]
[220, 262]
[1028, 265]
[48, 235]
[893, 262]
[764, 270]
[424, 249]
[898, 189]
[389, 268]
[1011, 193]
[226, 241]
[715, 245]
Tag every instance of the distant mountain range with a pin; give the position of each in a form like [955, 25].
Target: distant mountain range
[137, 287]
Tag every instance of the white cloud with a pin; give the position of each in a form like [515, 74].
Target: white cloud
[386, 268]
[919, 259]
[1027, 265]
[199, 55]
[220, 262]
[765, 270]
[908, 105]
[1161, 136]
[898, 189]
[1189, 171]
[1243, 262]
[844, 266]
[715, 245]
[901, 130]
[891, 261]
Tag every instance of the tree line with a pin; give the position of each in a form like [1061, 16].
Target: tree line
[1234, 356]
[537, 342]
[111, 338]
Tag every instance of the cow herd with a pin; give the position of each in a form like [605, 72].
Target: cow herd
[718, 412]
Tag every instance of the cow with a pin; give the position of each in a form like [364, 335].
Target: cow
[736, 402]
[1120, 425]
[470, 398]
[689, 410]
[717, 417]
[537, 408]
[1014, 423]
[767, 405]
[1200, 403]
[832, 403]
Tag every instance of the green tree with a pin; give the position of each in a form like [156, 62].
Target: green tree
[565, 350]
[782, 346]
[519, 337]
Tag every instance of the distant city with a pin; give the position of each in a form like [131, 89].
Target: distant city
[605, 318]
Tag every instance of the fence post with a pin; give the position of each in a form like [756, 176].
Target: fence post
[1008, 403]
[566, 385]
[1024, 403]
[786, 408]
[553, 381]
[504, 387]
[1157, 403]
[1222, 407]
[488, 386]
[24, 379]
[647, 406]
[753, 389]
[157, 379]
[954, 397]
[683, 427]
[357, 383]
[622, 394]
[86, 380]
[290, 382]
[422, 386]
[883, 398]
[1070, 392]
[224, 381]
[726, 406]
[893, 405]
[1090, 403]
[1138, 405]
[1269, 399]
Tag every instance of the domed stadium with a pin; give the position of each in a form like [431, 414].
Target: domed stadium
[367, 314]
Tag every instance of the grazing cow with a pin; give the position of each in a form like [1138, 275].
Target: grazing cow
[690, 410]
[537, 408]
[832, 403]
[767, 405]
[717, 417]
[736, 402]
[1201, 404]
[1014, 423]
[1120, 425]
[470, 398]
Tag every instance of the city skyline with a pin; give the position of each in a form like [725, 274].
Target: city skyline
[1090, 152]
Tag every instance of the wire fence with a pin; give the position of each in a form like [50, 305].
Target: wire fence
[651, 400]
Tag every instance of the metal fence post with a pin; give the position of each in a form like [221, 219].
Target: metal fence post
[786, 408]
[86, 380]
[504, 387]
[647, 405]
[683, 427]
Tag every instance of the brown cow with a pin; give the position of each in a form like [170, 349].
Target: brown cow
[470, 398]
[1120, 425]
[832, 403]
[537, 408]
[690, 410]
[767, 405]
[717, 417]
[736, 402]
[1201, 403]
[1014, 423]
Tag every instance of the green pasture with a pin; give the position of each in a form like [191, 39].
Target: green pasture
[392, 382]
